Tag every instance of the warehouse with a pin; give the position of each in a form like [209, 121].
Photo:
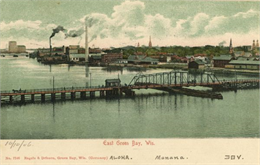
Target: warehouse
[237, 64]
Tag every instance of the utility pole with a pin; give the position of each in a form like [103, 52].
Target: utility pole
[53, 84]
[89, 79]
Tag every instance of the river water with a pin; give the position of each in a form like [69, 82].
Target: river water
[151, 114]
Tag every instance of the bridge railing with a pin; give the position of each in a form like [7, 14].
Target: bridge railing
[50, 89]
[103, 87]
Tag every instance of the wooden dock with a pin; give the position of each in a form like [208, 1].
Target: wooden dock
[174, 81]
[71, 93]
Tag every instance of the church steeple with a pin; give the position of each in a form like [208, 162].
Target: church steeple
[253, 46]
[231, 51]
[150, 42]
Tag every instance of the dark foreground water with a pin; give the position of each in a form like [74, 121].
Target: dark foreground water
[151, 114]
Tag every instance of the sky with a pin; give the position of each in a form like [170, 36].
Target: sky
[118, 23]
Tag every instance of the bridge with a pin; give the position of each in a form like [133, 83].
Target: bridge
[173, 81]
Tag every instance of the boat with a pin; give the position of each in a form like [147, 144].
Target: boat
[2, 55]
[15, 55]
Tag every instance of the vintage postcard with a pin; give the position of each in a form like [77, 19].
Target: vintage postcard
[129, 82]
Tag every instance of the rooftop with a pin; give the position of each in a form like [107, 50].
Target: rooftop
[141, 58]
[113, 80]
[222, 57]
[244, 62]
[199, 62]
[95, 56]
[77, 55]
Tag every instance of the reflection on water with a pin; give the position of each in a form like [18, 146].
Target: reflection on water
[151, 114]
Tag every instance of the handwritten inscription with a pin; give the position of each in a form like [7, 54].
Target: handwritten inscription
[120, 157]
[161, 157]
[132, 143]
[18, 144]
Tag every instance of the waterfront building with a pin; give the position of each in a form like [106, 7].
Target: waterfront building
[21, 49]
[247, 58]
[81, 51]
[95, 59]
[111, 57]
[222, 60]
[176, 58]
[94, 50]
[56, 58]
[59, 50]
[141, 59]
[43, 52]
[197, 64]
[73, 49]
[12, 46]
[112, 82]
[77, 57]
[121, 61]
[243, 64]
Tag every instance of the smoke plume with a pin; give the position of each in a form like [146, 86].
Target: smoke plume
[57, 30]
[74, 33]
[222, 43]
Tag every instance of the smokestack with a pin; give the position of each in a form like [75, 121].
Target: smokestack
[86, 44]
[50, 47]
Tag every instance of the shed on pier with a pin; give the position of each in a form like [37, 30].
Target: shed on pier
[112, 82]
[198, 64]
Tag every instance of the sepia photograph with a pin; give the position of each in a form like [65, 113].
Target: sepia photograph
[129, 81]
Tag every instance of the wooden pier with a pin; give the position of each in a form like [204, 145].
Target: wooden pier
[171, 81]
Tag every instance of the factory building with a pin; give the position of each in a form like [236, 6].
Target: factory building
[21, 49]
[222, 60]
[14, 48]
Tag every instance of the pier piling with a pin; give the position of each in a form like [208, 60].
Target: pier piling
[92, 94]
[102, 93]
[63, 96]
[11, 99]
[53, 97]
[73, 95]
[83, 95]
[42, 97]
[32, 97]
[22, 98]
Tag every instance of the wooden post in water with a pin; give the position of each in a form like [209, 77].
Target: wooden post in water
[22, 98]
[102, 93]
[82, 95]
[73, 95]
[42, 97]
[92, 94]
[63, 96]
[32, 97]
[11, 99]
[53, 97]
